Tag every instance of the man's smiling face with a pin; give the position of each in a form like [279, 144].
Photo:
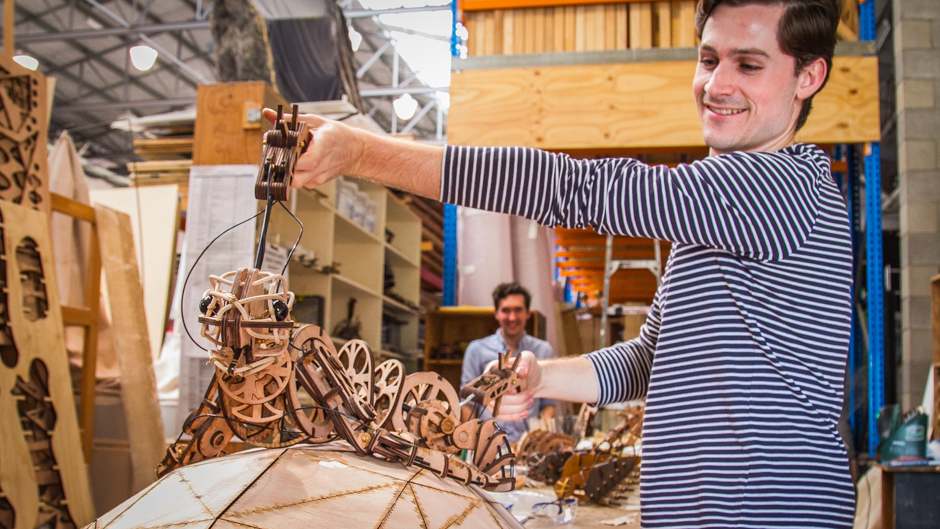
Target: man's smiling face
[747, 94]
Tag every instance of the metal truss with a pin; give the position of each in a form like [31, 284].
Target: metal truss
[96, 83]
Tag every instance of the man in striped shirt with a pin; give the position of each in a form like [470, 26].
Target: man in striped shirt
[743, 354]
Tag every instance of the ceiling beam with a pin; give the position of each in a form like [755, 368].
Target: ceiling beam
[129, 31]
[88, 52]
[126, 105]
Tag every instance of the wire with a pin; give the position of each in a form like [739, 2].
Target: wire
[190, 273]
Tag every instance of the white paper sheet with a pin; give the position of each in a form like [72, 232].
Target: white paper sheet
[220, 197]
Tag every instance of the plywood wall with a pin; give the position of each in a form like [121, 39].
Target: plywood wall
[631, 105]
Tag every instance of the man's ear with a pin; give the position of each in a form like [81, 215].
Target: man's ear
[811, 79]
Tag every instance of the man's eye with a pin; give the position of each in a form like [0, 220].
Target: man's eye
[750, 67]
[708, 63]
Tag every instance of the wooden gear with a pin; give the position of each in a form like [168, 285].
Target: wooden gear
[278, 383]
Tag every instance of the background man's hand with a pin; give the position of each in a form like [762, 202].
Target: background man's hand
[515, 406]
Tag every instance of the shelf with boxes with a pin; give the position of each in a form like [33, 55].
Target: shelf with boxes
[356, 272]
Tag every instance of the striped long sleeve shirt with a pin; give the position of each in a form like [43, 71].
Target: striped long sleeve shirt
[743, 354]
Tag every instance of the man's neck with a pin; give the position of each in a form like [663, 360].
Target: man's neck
[512, 342]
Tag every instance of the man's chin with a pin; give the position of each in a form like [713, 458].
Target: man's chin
[721, 143]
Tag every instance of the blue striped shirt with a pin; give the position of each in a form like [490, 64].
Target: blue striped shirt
[742, 358]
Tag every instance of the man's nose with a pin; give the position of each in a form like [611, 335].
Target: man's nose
[721, 82]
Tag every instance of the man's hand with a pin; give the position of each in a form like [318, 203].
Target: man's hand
[515, 406]
[570, 378]
[336, 149]
[332, 150]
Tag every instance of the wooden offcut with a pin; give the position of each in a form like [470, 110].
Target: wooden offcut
[86, 317]
[131, 343]
[632, 105]
[220, 137]
[38, 339]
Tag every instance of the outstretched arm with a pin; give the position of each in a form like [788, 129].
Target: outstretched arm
[336, 149]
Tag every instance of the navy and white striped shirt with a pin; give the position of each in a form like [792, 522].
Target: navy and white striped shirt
[743, 355]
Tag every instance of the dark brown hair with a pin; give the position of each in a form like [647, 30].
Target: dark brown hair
[807, 32]
[503, 290]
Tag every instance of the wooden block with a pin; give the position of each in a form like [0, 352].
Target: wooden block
[610, 27]
[683, 24]
[160, 166]
[529, 30]
[131, 344]
[480, 32]
[570, 24]
[580, 28]
[664, 24]
[33, 353]
[509, 35]
[632, 105]
[596, 27]
[472, 21]
[518, 28]
[23, 133]
[558, 29]
[498, 44]
[219, 138]
[489, 33]
[622, 34]
[641, 25]
[539, 30]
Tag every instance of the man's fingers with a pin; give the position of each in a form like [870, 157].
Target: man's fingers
[313, 120]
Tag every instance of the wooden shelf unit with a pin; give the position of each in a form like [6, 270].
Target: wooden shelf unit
[462, 325]
[361, 257]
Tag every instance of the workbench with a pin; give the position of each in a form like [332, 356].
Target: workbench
[590, 515]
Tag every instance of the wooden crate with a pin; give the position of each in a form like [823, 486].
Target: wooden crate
[227, 132]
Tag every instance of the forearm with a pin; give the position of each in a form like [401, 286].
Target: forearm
[407, 165]
[571, 379]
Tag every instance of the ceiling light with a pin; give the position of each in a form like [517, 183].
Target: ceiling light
[26, 61]
[405, 107]
[143, 57]
[355, 38]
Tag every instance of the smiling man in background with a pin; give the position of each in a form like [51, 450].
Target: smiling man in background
[511, 302]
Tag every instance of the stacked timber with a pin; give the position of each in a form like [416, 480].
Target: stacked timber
[509, 27]
[165, 144]
[159, 172]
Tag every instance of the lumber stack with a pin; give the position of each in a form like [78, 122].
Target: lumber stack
[509, 27]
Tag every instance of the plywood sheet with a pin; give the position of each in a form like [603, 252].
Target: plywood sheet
[131, 344]
[222, 135]
[23, 132]
[156, 223]
[631, 105]
[34, 377]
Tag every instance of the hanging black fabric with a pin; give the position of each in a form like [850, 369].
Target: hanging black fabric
[305, 55]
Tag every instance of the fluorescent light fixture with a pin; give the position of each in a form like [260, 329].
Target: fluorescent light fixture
[26, 61]
[405, 107]
[354, 38]
[143, 57]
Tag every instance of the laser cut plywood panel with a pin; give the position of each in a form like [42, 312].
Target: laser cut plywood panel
[42, 471]
[23, 130]
[306, 486]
